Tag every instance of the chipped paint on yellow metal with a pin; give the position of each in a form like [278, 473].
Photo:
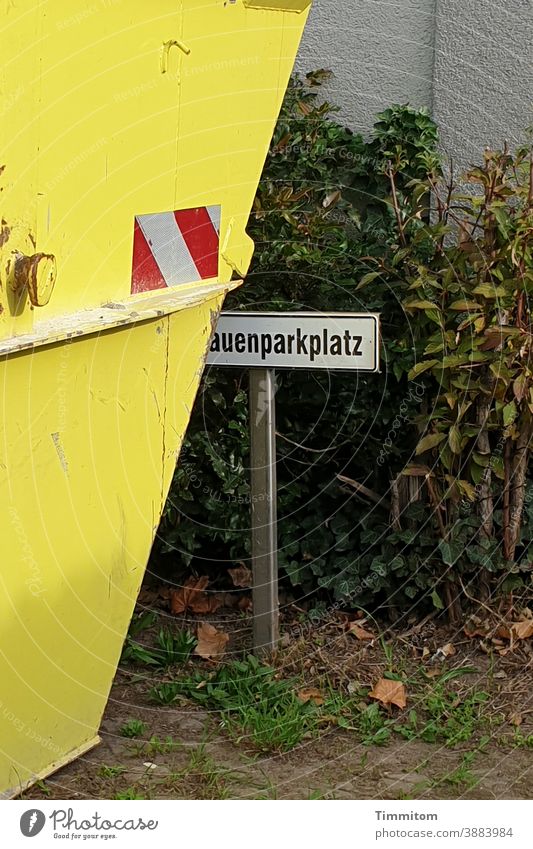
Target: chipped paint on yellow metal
[110, 112]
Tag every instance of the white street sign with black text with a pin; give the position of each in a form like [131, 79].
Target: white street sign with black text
[290, 340]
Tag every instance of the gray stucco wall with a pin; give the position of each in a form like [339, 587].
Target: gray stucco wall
[380, 52]
[483, 80]
[469, 61]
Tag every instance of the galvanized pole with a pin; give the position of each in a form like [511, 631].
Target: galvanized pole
[264, 510]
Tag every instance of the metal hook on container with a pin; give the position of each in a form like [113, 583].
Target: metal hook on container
[165, 50]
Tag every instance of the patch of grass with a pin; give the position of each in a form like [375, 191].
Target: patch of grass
[155, 746]
[130, 793]
[133, 728]
[373, 726]
[452, 721]
[43, 787]
[141, 622]
[111, 771]
[170, 649]
[253, 704]
[166, 693]
[520, 741]
[443, 716]
[462, 776]
[270, 792]
[207, 779]
[174, 648]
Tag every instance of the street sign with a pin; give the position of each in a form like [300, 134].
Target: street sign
[264, 342]
[297, 340]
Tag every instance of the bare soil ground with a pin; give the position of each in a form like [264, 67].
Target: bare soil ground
[184, 753]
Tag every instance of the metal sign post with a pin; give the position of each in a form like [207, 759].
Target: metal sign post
[263, 342]
[263, 491]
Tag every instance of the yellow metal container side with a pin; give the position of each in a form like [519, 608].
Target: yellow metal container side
[117, 118]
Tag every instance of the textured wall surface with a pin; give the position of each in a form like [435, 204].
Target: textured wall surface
[483, 84]
[381, 53]
[470, 62]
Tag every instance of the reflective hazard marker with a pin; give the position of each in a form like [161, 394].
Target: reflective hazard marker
[173, 248]
[263, 342]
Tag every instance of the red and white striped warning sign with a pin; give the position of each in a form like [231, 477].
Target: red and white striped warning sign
[172, 248]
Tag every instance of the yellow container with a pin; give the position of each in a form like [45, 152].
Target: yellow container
[133, 137]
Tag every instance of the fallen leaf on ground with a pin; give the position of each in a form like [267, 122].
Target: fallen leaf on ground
[435, 672]
[515, 719]
[475, 631]
[389, 693]
[241, 576]
[359, 632]
[150, 597]
[522, 630]
[192, 596]
[211, 643]
[311, 694]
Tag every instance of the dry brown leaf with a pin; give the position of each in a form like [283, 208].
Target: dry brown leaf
[241, 576]
[192, 596]
[522, 630]
[435, 672]
[311, 694]
[331, 199]
[211, 643]
[389, 693]
[359, 632]
[151, 597]
[515, 719]
[475, 631]
[245, 604]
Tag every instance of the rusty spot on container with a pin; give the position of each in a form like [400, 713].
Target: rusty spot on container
[38, 274]
[5, 232]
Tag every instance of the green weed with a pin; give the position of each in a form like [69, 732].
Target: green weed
[155, 746]
[133, 728]
[253, 704]
[170, 649]
[373, 726]
[130, 793]
[111, 771]
[522, 742]
[166, 693]
[462, 776]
